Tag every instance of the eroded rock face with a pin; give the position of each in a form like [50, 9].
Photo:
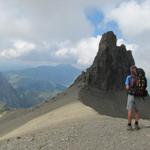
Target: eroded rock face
[111, 65]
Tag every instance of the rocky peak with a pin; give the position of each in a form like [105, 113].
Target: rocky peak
[108, 39]
[110, 67]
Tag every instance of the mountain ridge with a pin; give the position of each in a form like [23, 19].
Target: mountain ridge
[84, 116]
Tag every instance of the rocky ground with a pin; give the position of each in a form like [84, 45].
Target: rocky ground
[93, 132]
[68, 124]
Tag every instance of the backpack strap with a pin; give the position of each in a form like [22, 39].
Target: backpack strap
[132, 86]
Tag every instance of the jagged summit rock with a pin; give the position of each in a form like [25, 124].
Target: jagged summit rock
[110, 66]
[108, 39]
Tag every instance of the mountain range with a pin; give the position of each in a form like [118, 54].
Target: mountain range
[35, 85]
[8, 95]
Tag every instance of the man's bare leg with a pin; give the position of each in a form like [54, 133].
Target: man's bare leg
[129, 116]
[137, 116]
[129, 127]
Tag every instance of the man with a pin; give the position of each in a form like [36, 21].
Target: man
[132, 101]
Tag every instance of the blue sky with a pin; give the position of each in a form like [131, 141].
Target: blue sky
[97, 20]
[51, 32]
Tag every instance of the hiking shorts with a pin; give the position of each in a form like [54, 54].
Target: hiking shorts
[133, 103]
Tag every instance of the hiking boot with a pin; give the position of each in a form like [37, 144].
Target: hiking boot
[129, 127]
[137, 127]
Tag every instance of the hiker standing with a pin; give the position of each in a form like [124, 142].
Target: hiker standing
[136, 84]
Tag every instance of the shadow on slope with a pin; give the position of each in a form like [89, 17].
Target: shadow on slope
[111, 103]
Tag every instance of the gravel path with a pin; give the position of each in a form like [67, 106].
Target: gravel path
[90, 133]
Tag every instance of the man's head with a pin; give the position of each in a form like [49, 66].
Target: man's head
[133, 70]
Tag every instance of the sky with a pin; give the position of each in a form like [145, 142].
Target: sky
[48, 32]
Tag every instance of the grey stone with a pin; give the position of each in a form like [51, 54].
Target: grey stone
[110, 67]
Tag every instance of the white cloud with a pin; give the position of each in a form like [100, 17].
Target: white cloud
[48, 20]
[19, 49]
[43, 20]
[80, 53]
[13, 25]
[86, 50]
[56, 27]
[132, 17]
[49, 25]
[83, 51]
[129, 46]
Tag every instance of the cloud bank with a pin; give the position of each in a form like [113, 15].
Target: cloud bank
[67, 31]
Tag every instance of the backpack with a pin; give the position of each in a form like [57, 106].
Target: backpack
[132, 85]
[141, 84]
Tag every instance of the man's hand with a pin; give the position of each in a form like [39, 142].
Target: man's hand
[127, 87]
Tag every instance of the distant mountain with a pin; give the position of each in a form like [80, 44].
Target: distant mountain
[8, 95]
[60, 74]
[35, 85]
[33, 91]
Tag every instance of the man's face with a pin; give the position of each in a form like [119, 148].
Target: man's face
[133, 70]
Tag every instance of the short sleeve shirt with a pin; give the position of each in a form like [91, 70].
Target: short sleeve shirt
[127, 81]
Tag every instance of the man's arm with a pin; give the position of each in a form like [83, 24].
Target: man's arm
[127, 87]
[127, 84]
